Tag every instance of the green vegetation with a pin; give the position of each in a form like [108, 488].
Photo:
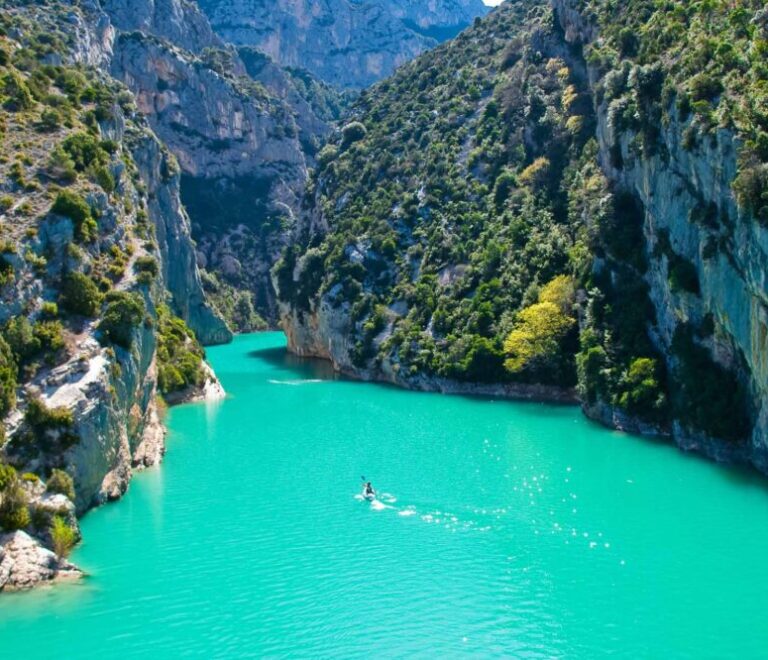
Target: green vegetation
[123, 313]
[14, 509]
[62, 536]
[147, 269]
[714, 69]
[536, 340]
[16, 92]
[235, 306]
[71, 205]
[29, 342]
[8, 375]
[80, 295]
[41, 417]
[448, 198]
[466, 205]
[61, 482]
[179, 354]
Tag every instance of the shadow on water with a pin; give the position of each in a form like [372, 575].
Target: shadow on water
[302, 367]
[740, 474]
[319, 368]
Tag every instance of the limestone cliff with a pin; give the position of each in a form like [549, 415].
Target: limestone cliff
[690, 215]
[243, 131]
[344, 42]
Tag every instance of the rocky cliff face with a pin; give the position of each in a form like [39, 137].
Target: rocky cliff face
[690, 215]
[344, 42]
[243, 130]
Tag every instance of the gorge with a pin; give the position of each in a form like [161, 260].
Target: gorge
[561, 201]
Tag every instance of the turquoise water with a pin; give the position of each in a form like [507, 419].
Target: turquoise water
[510, 529]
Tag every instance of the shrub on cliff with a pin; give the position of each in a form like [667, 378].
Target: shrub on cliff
[80, 295]
[641, 390]
[14, 509]
[50, 334]
[20, 336]
[683, 275]
[146, 268]
[123, 313]
[18, 96]
[85, 150]
[39, 416]
[47, 430]
[61, 482]
[62, 537]
[71, 205]
[60, 166]
[353, 132]
[8, 375]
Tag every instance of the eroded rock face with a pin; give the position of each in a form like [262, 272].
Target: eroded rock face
[180, 274]
[25, 563]
[179, 21]
[110, 390]
[344, 42]
[241, 130]
[677, 184]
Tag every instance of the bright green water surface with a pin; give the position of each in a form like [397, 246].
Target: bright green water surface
[509, 529]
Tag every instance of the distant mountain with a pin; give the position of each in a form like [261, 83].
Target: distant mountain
[349, 43]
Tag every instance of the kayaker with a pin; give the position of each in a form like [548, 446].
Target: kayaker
[368, 490]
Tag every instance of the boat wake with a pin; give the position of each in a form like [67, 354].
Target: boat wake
[386, 501]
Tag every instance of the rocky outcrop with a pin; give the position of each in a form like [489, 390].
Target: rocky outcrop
[88, 403]
[180, 275]
[25, 563]
[178, 21]
[352, 44]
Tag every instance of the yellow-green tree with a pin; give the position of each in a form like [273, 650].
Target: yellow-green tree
[539, 328]
[559, 291]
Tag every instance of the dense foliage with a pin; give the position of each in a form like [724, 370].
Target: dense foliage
[80, 295]
[63, 537]
[122, 315]
[61, 482]
[448, 197]
[179, 354]
[463, 188]
[14, 509]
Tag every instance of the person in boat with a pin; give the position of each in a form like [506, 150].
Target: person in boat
[368, 490]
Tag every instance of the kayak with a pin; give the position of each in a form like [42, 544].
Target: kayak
[369, 496]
